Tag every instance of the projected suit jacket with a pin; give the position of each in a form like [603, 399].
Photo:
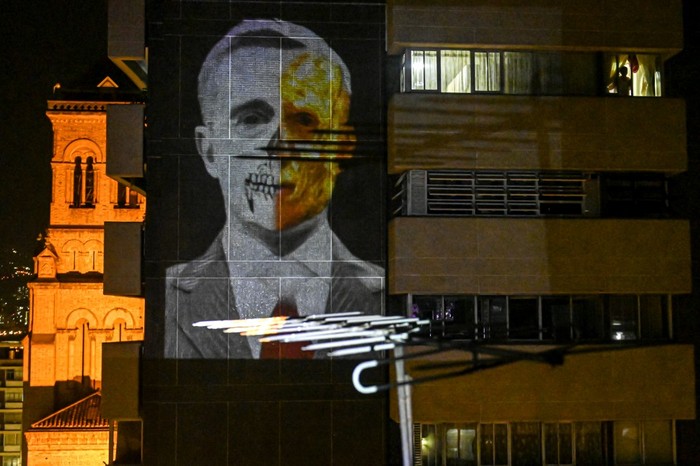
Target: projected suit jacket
[201, 290]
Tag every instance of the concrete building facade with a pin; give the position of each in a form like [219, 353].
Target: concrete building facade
[533, 143]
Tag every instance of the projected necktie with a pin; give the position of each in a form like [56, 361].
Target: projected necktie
[272, 350]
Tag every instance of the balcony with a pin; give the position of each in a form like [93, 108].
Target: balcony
[538, 256]
[605, 385]
[464, 131]
[644, 25]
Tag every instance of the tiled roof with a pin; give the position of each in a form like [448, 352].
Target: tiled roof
[83, 414]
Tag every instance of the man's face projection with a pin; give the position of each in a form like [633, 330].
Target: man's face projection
[276, 114]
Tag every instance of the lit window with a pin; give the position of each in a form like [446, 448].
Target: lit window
[455, 71]
[424, 70]
[530, 72]
[430, 447]
[487, 71]
[460, 445]
[633, 74]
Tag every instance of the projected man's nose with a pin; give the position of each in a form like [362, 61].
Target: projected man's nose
[263, 182]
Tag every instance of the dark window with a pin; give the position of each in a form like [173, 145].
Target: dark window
[526, 446]
[77, 182]
[523, 319]
[591, 439]
[624, 317]
[89, 183]
[558, 443]
[588, 318]
[459, 315]
[494, 444]
[654, 318]
[126, 197]
[595, 318]
[634, 195]
[556, 318]
[492, 318]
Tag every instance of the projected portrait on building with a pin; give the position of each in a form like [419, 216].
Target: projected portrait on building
[275, 133]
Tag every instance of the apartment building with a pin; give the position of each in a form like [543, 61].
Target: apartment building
[12, 399]
[531, 148]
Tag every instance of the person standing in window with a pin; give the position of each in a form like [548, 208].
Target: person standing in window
[623, 83]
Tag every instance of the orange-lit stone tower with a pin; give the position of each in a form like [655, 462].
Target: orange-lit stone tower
[70, 317]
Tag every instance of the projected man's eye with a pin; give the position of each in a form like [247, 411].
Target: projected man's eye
[305, 120]
[251, 118]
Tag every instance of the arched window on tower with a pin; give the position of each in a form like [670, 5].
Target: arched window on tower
[81, 353]
[84, 192]
[89, 183]
[77, 182]
[119, 330]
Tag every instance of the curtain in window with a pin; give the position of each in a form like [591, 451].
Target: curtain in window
[518, 73]
[455, 71]
[487, 71]
[643, 80]
[424, 70]
[460, 446]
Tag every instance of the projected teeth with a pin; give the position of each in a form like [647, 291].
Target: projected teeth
[260, 183]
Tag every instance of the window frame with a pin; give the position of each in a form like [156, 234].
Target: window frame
[603, 66]
[594, 327]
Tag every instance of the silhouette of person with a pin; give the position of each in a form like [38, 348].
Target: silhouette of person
[623, 83]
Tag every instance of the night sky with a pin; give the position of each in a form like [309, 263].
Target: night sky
[44, 42]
